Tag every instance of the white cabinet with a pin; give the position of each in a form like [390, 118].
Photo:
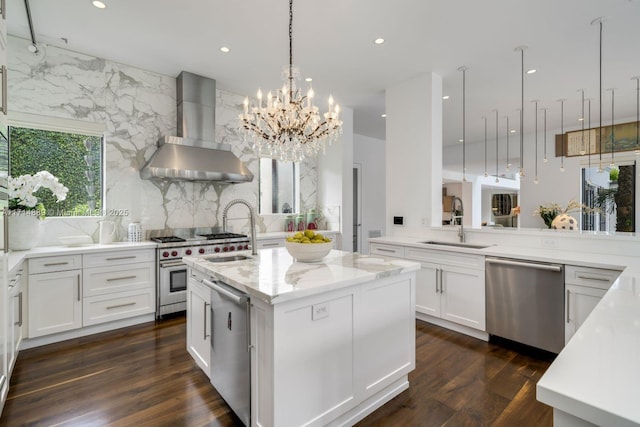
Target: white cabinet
[450, 286]
[118, 285]
[270, 243]
[55, 298]
[584, 288]
[14, 317]
[386, 250]
[199, 321]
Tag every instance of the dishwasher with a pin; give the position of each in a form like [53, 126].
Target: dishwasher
[230, 347]
[525, 302]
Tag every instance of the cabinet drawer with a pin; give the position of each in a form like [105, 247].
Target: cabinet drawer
[106, 308]
[195, 285]
[119, 257]
[386, 250]
[591, 277]
[446, 258]
[107, 280]
[55, 263]
[270, 243]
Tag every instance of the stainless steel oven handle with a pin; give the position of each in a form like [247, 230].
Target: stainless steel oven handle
[235, 298]
[548, 267]
[167, 264]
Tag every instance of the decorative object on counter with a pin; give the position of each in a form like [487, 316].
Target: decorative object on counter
[134, 232]
[312, 220]
[290, 126]
[290, 223]
[308, 246]
[107, 231]
[300, 223]
[24, 209]
[557, 217]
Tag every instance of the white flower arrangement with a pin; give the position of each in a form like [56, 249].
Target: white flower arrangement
[22, 189]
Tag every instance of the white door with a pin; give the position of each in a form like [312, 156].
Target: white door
[579, 303]
[199, 328]
[427, 293]
[463, 296]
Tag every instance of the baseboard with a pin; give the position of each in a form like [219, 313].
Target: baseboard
[481, 335]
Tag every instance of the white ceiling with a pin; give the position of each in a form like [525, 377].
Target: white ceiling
[333, 43]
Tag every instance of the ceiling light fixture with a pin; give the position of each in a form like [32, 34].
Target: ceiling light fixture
[521, 49]
[224, 49]
[445, 97]
[598, 21]
[464, 122]
[561, 101]
[383, 115]
[581, 119]
[544, 159]
[531, 71]
[535, 179]
[33, 47]
[289, 126]
[512, 130]
[589, 141]
[308, 80]
[98, 4]
[379, 40]
[497, 180]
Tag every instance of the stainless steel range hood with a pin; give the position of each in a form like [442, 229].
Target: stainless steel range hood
[193, 155]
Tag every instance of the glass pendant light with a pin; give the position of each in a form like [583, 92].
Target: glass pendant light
[545, 160]
[561, 101]
[508, 164]
[613, 136]
[464, 136]
[535, 180]
[497, 180]
[582, 150]
[598, 21]
[485, 146]
[521, 49]
[589, 141]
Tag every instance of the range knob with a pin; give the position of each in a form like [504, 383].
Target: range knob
[174, 253]
[225, 249]
[201, 250]
[246, 246]
[216, 249]
[239, 247]
[188, 251]
[232, 248]
[165, 254]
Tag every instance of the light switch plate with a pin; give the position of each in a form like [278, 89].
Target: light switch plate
[319, 311]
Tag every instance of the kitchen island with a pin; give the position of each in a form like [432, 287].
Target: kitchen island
[331, 341]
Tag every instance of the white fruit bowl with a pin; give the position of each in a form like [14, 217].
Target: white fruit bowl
[308, 252]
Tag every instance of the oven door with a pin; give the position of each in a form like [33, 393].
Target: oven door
[173, 282]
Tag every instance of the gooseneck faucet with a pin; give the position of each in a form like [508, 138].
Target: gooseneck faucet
[254, 248]
[460, 217]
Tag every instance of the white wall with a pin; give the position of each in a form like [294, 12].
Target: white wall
[414, 153]
[369, 153]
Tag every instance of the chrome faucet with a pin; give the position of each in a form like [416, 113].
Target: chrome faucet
[460, 217]
[254, 248]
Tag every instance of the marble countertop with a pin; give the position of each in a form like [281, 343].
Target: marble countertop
[275, 277]
[597, 375]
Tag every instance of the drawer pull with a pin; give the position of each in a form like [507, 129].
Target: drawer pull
[113, 279]
[599, 279]
[117, 258]
[51, 264]
[264, 245]
[386, 250]
[111, 307]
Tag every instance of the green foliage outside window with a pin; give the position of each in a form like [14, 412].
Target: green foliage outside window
[75, 159]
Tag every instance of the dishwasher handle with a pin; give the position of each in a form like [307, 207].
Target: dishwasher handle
[238, 299]
[513, 263]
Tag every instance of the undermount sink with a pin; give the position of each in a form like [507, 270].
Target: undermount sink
[226, 258]
[456, 244]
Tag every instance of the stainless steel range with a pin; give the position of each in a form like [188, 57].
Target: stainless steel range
[171, 292]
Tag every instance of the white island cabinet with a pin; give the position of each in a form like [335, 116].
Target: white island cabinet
[330, 341]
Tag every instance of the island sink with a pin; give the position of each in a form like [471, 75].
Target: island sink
[459, 245]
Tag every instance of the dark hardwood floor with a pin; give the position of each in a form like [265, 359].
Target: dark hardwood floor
[143, 375]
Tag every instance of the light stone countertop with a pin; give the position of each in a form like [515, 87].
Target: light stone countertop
[596, 376]
[284, 234]
[274, 276]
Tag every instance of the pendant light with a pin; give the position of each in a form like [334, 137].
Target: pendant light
[508, 164]
[521, 49]
[582, 150]
[485, 146]
[637, 79]
[589, 141]
[464, 136]
[545, 160]
[598, 21]
[535, 179]
[561, 101]
[497, 180]
[613, 136]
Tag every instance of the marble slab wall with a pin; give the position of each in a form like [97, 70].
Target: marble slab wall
[136, 107]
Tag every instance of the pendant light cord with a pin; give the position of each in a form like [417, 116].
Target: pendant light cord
[497, 145]
[291, 49]
[600, 102]
[507, 117]
[613, 139]
[522, 113]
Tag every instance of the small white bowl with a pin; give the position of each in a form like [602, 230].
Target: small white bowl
[308, 252]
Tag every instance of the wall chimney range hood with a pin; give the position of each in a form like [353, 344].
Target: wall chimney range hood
[193, 155]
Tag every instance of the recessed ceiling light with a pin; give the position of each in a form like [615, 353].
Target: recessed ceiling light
[98, 4]
[383, 115]
[512, 131]
[224, 49]
[308, 79]
[379, 40]
[461, 140]
[445, 97]
[581, 119]
[531, 71]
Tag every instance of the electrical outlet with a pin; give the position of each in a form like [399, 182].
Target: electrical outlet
[398, 220]
[549, 243]
[319, 311]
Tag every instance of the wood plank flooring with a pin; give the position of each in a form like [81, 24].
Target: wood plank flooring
[143, 376]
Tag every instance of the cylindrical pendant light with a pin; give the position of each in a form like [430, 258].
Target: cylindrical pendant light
[485, 146]
[497, 180]
[589, 142]
[508, 168]
[545, 160]
[598, 21]
[464, 123]
[637, 79]
[521, 49]
[613, 134]
[535, 179]
[582, 150]
[561, 101]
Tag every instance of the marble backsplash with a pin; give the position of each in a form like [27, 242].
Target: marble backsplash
[136, 108]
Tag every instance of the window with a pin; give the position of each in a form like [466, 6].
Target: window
[279, 187]
[75, 158]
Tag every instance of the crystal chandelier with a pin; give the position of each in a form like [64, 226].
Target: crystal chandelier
[287, 125]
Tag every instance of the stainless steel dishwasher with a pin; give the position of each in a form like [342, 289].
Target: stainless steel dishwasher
[230, 347]
[525, 302]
